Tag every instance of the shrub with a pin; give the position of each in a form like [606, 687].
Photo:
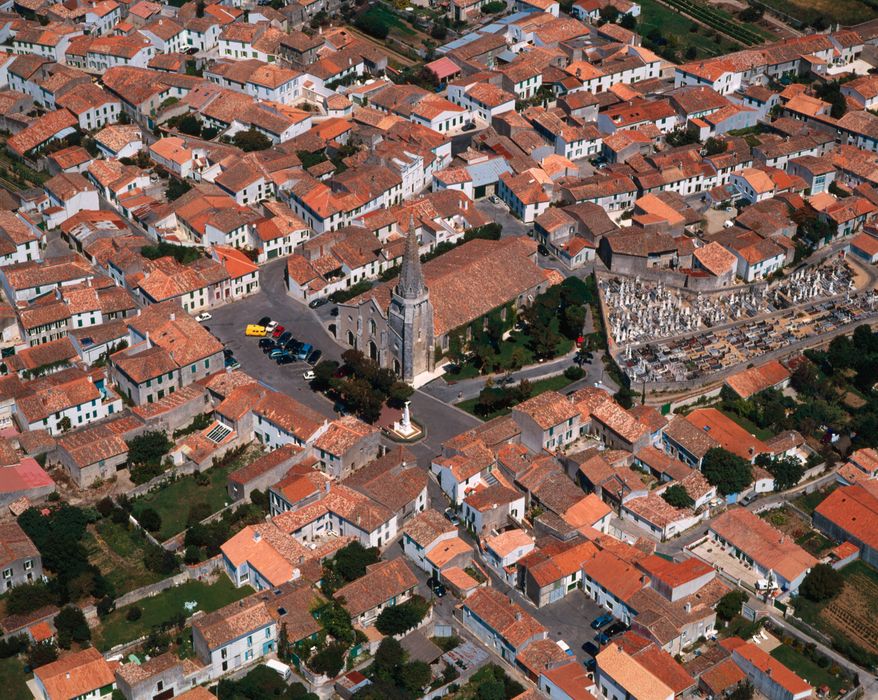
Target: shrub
[397, 619]
[42, 653]
[71, 626]
[134, 613]
[105, 606]
[574, 373]
[105, 506]
[150, 519]
[330, 660]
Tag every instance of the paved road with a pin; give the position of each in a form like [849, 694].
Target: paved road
[499, 213]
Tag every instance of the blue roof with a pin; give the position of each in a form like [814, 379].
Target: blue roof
[488, 171]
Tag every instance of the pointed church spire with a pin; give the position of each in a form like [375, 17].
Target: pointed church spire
[411, 277]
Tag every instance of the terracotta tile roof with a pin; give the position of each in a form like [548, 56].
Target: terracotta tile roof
[540, 656]
[548, 409]
[630, 675]
[427, 526]
[508, 619]
[723, 677]
[751, 381]
[715, 258]
[446, 550]
[267, 549]
[76, 674]
[615, 575]
[768, 547]
[344, 434]
[15, 544]
[769, 666]
[264, 464]
[726, 432]
[381, 583]
[233, 621]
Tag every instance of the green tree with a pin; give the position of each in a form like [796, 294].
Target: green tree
[150, 519]
[676, 496]
[822, 583]
[389, 658]
[714, 146]
[323, 374]
[42, 653]
[742, 692]
[787, 471]
[71, 626]
[189, 124]
[29, 597]
[351, 560]
[251, 140]
[609, 13]
[148, 447]
[730, 605]
[414, 676]
[396, 619]
[329, 660]
[726, 470]
[628, 21]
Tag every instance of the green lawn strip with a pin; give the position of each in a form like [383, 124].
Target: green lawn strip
[815, 543]
[721, 21]
[749, 426]
[116, 628]
[807, 669]
[172, 502]
[539, 386]
[390, 19]
[13, 680]
[807, 502]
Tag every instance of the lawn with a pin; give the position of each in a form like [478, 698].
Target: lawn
[116, 629]
[118, 553]
[673, 25]
[389, 18]
[749, 426]
[807, 669]
[550, 384]
[173, 501]
[13, 680]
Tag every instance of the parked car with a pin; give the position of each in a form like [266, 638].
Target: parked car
[602, 638]
[284, 337]
[285, 359]
[232, 363]
[314, 357]
[276, 353]
[591, 648]
[590, 664]
[254, 330]
[436, 586]
[265, 320]
[318, 302]
[601, 621]
[563, 646]
[293, 345]
[308, 375]
[270, 326]
[227, 352]
[542, 250]
[615, 628]
[265, 343]
[277, 332]
[202, 317]
[304, 351]
[494, 199]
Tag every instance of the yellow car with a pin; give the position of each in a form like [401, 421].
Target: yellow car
[254, 330]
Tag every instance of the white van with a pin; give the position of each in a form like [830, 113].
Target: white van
[282, 669]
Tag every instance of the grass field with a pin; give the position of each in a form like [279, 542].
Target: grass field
[385, 16]
[116, 629]
[550, 384]
[842, 11]
[13, 680]
[673, 25]
[805, 668]
[172, 502]
[118, 553]
[748, 425]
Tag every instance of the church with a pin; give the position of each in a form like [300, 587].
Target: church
[405, 324]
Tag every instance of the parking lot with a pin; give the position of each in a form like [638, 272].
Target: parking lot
[228, 322]
[570, 619]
